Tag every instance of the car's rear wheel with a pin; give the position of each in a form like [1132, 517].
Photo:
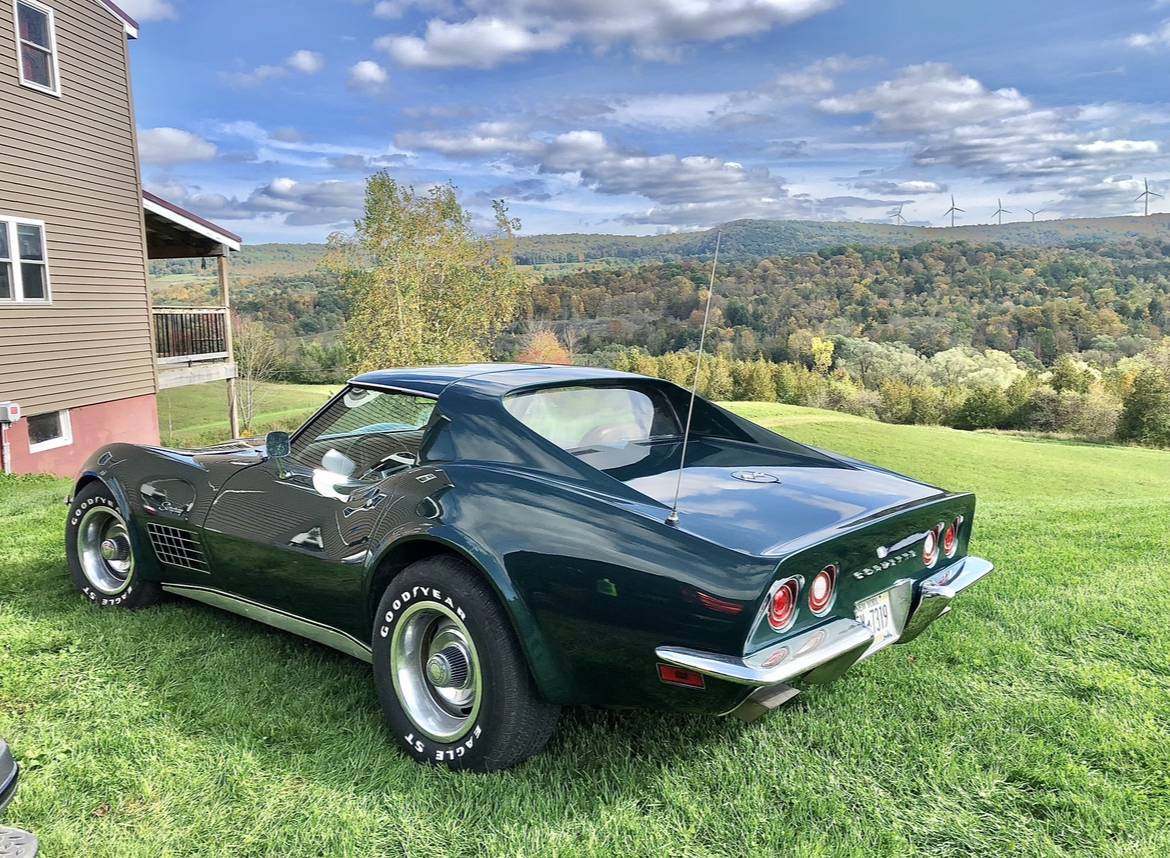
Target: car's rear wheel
[100, 551]
[453, 683]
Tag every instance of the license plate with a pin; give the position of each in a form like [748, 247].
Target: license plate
[877, 614]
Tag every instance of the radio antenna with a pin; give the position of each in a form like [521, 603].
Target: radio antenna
[673, 517]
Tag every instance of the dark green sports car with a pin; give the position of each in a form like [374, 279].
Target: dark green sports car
[498, 541]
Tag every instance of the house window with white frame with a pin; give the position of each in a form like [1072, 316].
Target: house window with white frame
[48, 431]
[36, 45]
[24, 265]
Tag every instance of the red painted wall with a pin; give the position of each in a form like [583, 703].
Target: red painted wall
[133, 420]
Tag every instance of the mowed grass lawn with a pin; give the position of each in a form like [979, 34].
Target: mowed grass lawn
[197, 415]
[1035, 720]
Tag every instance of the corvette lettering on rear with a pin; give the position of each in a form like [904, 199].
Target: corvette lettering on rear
[888, 563]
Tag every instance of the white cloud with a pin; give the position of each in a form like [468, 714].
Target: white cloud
[392, 9]
[1159, 38]
[288, 147]
[367, 76]
[682, 191]
[1119, 147]
[952, 121]
[483, 140]
[303, 61]
[928, 97]
[482, 42]
[306, 62]
[497, 31]
[910, 187]
[173, 146]
[286, 200]
[256, 76]
[678, 111]
[148, 10]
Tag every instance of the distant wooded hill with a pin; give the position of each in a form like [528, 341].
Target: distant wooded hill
[742, 240]
[1049, 288]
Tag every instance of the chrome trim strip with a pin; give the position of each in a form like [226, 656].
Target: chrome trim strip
[839, 639]
[936, 592]
[276, 618]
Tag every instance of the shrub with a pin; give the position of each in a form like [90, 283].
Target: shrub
[1145, 417]
[984, 408]
[896, 403]
[544, 347]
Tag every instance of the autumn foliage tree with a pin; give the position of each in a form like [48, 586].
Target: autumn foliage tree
[423, 287]
[544, 347]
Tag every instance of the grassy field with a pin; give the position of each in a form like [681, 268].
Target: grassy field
[1033, 721]
[197, 415]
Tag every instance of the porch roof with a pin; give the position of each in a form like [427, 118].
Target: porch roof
[172, 232]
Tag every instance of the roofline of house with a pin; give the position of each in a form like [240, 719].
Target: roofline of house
[128, 23]
[190, 220]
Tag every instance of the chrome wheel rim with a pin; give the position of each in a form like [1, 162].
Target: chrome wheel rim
[103, 548]
[436, 672]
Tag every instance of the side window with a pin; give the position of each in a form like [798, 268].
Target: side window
[37, 45]
[361, 430]
[24, 269]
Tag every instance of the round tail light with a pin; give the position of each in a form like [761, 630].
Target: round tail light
[782, 610]
[822, 590]
[930, 547]
[950, 541]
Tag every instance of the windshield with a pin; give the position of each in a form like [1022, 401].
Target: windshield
[578, 418]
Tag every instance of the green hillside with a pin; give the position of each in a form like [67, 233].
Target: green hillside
[746, 239]
[1034, 720]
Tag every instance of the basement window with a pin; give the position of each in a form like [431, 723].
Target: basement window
[36, 45]
[24, 267]
[48, 431]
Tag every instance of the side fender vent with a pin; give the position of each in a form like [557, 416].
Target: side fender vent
[177, 547]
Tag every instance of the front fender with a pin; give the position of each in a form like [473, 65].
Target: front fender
[99, 468]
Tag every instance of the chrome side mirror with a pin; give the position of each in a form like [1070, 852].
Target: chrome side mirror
[277, 445]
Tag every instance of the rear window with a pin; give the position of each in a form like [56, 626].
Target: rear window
[576, 418]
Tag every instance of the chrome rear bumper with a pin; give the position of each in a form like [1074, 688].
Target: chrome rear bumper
[823, 653]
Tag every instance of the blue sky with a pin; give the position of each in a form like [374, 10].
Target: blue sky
[643, 116]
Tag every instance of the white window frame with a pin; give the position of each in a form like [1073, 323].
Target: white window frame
[64, 440]
[55, 89]
[10, 223]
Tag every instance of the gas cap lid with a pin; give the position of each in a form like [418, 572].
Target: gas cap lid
[755, 476]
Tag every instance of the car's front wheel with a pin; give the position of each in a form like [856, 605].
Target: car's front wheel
[102, 562]
[453, 683]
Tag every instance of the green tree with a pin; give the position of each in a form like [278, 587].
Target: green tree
[754, 380]
[720, 384]
[984, 408]
[423, 287]
[822, 354]
[1145, 415]
[1070, 374]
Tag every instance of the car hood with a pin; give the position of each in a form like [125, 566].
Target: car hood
[765, 501]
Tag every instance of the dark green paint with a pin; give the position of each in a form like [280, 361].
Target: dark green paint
[592, 575]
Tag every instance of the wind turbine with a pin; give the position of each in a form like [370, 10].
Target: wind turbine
[1034, 213]
[896, 214]
[953, 210]
[1145, 195]
[1000, 211]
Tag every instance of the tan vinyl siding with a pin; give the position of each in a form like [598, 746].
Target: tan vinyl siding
[71, 162]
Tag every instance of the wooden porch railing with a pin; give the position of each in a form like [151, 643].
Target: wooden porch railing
[188, 334]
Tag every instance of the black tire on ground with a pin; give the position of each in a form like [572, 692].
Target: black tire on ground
[431, 607]
[115, 582]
